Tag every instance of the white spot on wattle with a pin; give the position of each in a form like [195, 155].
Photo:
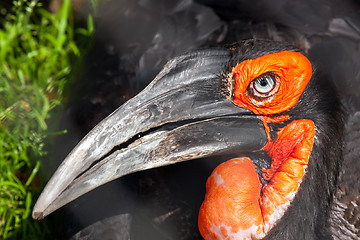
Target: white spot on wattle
[241, 159]
[292, 194]
[249, 233]
[217, 178]
[273, 218]
[279, 210]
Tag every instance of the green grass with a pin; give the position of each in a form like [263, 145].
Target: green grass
[37, 50]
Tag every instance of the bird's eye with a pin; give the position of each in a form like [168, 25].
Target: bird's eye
[266, 85]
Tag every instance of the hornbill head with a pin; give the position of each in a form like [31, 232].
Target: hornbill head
[261, 100]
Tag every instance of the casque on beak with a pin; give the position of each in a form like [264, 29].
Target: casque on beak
[182, 115]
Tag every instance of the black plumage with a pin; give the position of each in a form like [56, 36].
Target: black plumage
[139, 60]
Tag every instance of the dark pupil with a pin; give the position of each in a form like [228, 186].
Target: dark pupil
[264, 82]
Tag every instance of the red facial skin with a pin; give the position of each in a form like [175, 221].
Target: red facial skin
[235, 207]
[294, 71]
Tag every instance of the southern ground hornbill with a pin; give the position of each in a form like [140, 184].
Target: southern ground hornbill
[263, 105]
[261, 100]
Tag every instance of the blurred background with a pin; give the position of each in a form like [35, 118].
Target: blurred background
[66, 64]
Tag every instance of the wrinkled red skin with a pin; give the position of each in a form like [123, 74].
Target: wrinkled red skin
[235, 207]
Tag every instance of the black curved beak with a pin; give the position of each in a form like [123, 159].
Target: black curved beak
[181, 115]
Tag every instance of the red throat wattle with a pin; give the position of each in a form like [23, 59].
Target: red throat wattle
[236, 205]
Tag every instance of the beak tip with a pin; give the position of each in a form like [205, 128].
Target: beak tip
[37, 215]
